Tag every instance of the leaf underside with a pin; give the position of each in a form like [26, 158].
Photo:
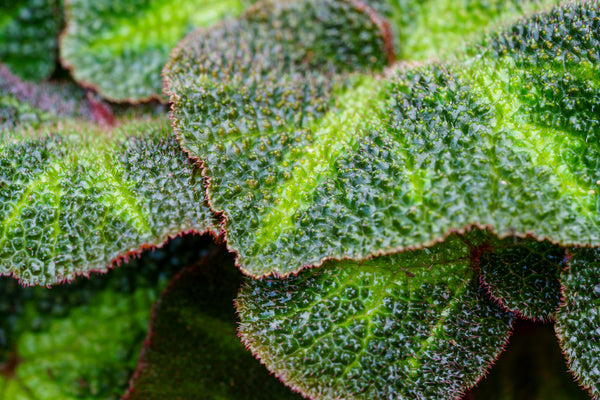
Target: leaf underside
[578, 318]
[119, 47]
[351, 166]
[192, 350]
[29, 36]
[74, 198]
[410, 325]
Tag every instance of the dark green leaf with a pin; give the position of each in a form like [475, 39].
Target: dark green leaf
[192, 350]
[412, 325]
[523, 275]
[319, 168]
[76, 198]
[29, 36]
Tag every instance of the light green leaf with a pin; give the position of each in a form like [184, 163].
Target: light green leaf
[73, 199]
[439, 29]
[192, 350]
[119, 47]
[412, 325]
[29, 36]
[307, 169]
[578, 318]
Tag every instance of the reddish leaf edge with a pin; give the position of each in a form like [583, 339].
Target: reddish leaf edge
[388, 71]
[561, 339]
[459, 396]
[91, 85]
[128, 255]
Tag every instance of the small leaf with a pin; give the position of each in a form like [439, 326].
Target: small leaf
[320, 165]
[578, 318]
[411, 325]
[523, 275]
[75, 198]
[29, 36]
[192, 350]
[119, 47]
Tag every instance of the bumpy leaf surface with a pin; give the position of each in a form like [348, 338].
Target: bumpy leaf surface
[508, 139]
[578, 318]
[29, 36]
[81, 341]
[192, 350]
[414, 325]
[74, 199]
[523, 275]
[119, 47]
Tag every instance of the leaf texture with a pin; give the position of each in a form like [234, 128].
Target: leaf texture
[353, 166]
[523, 275]
[119, 47]
[578, 318]
[75, 198]
[192, 350]
[29, 36]
[407, 326]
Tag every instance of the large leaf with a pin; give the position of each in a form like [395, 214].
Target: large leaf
[507, 139]
[413, 325]
[81, 340]
[73, 199]
[29, 36]
[119, 47]
[192, 350]
[578, 318]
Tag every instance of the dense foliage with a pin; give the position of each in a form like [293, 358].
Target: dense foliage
[398, 182]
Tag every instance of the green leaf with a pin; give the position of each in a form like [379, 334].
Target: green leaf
[119, 47]
[523, 275]
[410, 325]
[76, 198]
[578, 318]
[439, 29]
[192, 350]
[508, 139]
[81, 340]
[29, 36]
